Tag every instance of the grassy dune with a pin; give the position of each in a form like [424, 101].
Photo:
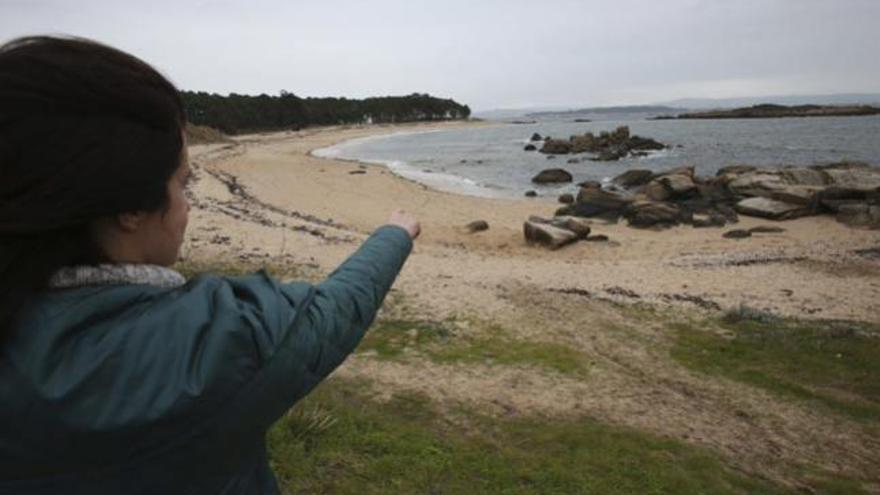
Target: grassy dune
[357, 435]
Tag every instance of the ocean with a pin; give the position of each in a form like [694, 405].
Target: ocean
[490, 161]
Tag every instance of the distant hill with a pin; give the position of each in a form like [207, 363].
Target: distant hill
[681, 105]
[614, 110]
[832, 99]
[769, 111]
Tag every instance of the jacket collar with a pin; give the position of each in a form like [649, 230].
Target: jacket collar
[116, 274]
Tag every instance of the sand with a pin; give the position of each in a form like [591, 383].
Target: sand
[813, 269]
[264, 200]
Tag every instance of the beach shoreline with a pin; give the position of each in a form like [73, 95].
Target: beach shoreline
[264, 202]
[279, 169]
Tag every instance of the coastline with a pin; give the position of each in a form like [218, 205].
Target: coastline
[436, 181]
[697, 263]
[264, 201]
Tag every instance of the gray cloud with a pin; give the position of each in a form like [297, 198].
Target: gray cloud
[486, 53]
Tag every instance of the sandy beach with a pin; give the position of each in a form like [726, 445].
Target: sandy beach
[264, 200]
[817, 267]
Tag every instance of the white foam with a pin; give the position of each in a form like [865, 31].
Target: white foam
[441, 181]
[338, 150]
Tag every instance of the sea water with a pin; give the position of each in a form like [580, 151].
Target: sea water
[490, 161]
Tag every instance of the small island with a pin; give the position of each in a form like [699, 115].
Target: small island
[770, 111]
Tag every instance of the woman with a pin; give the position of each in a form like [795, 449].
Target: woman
[116, 374]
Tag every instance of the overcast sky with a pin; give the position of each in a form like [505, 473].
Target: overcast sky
[485, 53]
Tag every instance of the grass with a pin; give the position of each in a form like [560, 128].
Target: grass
[835, 365]
[440, 342]
[404, 446]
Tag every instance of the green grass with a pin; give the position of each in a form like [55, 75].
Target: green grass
[835, 365]
[390, 338]
[439, 342]
[404, 446]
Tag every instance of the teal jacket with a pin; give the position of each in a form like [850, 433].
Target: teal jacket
[135, 389]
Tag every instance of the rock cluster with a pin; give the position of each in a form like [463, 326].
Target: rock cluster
[848, 190]
[608, 146]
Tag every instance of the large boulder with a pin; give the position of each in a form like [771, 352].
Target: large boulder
[556, 146]
[633, 178]
[641, 143]
[653, 214]
[772, 209]
[548, 235]
[715, 191]
[833, 197]
[656, 191]
[679, 185]
[595, 202]
[530, 147]
[579, 226]
[800, 176]
[860, 215]
[536, 137]
[552, 175]
[853, 175]
[802, 195]
[604, 199]
[758, 183]
[668, 187]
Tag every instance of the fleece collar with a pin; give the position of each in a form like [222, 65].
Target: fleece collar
[116, 274]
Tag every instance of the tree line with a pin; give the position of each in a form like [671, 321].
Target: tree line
[237, 113]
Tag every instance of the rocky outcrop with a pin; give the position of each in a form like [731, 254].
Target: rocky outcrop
[552, 175]
[556, 146]
[653, 214]
[633, 178]
[596, 202]
[850, 191]
[608, 146]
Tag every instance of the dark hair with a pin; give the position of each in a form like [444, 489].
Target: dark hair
[86, 132]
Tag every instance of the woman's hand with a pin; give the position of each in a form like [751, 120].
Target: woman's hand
[407, 222]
